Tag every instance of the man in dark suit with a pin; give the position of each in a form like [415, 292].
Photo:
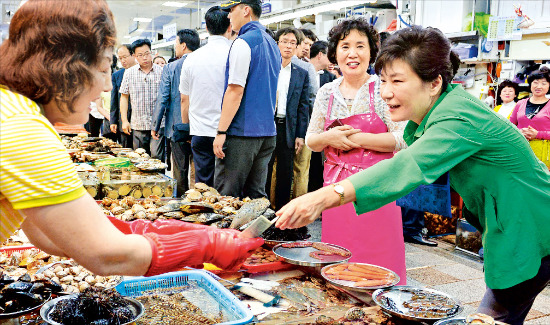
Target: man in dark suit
[169, 108]
[127, 60]
[320, 61]
[291, 118]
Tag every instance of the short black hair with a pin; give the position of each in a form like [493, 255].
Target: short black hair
[426, 50]
[190, 37]
[289, 30]
[504, 84]
[309, 34]
[383, 36]
[127, 46]
[217, 21]
[256, 9]
[541, 73]
[342, 30]
[139, 43]
[270, 32]
[318, 47]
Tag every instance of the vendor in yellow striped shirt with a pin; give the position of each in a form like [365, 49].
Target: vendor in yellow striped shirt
[50, 72]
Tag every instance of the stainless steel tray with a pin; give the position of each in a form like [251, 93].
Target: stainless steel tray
[400, 294]
[300, 256]
[135, 307]
[25, 311]
[349, 284]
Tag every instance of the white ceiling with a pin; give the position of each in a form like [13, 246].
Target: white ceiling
[124, 12]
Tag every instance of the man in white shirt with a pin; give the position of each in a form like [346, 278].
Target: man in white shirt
[202, 85]
[291, 118]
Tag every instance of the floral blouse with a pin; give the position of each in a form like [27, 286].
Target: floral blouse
[360, 106]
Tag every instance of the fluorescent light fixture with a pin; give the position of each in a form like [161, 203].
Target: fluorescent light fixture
[313, 10]
[175, 4]
[143, 19]
[127, 36]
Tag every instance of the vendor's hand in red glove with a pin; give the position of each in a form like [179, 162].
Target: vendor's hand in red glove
[221, 247]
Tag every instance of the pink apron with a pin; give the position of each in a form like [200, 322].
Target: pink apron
[374, 237]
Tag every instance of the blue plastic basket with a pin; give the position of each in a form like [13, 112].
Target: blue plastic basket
[138, 286]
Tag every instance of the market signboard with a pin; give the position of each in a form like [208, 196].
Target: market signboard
[169, 32]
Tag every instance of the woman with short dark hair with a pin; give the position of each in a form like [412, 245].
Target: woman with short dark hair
[505, 188]
[506, 98]
[351, 124]
[56, 61]
[532, 115]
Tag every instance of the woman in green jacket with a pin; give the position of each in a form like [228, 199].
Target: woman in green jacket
[505, 188]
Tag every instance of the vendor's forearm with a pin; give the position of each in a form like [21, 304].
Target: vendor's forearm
[38, 239]
[90, 238]
[184, 109]
[231, 102]
[124, 108]
[382, 142]
[316, 141]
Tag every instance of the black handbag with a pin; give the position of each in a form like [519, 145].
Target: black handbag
[181, 132]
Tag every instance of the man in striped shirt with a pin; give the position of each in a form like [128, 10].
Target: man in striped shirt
[141, 83]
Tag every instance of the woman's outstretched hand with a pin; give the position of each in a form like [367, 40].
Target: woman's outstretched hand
[305, 209]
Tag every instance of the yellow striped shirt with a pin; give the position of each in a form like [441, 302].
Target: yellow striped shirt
[35, 168]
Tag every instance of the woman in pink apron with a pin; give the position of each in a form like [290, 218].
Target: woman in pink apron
[351, 124]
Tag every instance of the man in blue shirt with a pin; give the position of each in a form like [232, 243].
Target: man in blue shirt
[246, 132]
[169, 107]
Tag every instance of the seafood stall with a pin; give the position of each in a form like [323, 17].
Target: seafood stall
[288, 280]
[107, 170]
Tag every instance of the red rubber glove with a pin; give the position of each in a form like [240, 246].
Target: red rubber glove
[161, 226]
[221, 247]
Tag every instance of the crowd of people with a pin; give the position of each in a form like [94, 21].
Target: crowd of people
[174, 110]
[261, 114]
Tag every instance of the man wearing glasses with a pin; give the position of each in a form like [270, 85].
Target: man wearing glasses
[291, 117]
[124, 53]
[141, 83]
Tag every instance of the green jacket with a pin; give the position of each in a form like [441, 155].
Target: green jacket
[505, 188]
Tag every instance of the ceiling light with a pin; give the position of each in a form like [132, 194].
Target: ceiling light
[175, 4]
[313, 10]
[127, 36]
[143, 19]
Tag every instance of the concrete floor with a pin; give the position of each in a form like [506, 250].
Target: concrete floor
[460, 275]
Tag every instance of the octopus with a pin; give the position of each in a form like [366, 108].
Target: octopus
[322, 249]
